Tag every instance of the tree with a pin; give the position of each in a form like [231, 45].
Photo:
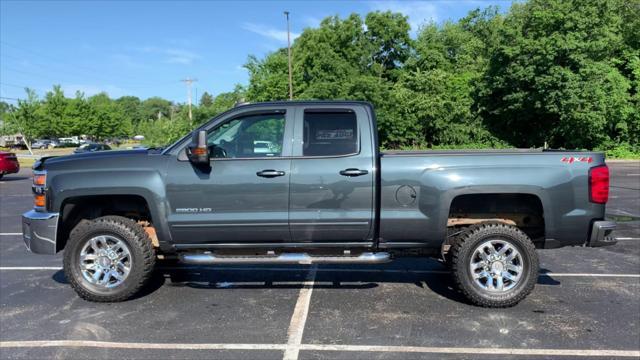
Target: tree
[131, 108]
[27, 118]
[206, 99]
[107, 120]
[388, 36]
[5, 113]
[53, 112]
[155, 107]
[78, 115]
[554, 79]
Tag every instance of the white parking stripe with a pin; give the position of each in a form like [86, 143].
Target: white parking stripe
[129, 345]
[400, 271]
[474, 351]
[10, 234]
[30, 268]
[299, 317]
[319, 347]
[591, 275]
[627, 238]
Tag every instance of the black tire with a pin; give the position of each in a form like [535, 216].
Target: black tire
[143, 258]
[461, 256]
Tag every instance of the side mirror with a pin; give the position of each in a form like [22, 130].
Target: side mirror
[197, 151]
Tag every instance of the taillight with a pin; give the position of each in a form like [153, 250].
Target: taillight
[599, 184]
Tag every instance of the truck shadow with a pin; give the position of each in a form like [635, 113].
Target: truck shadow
[221, 278]
[9, 178]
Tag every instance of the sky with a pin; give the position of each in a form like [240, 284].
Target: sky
[146, 48]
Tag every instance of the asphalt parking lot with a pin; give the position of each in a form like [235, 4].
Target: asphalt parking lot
[586, 304]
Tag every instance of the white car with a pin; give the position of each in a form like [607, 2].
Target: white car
[263, 147]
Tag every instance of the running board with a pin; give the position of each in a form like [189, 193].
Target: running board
[291, 258]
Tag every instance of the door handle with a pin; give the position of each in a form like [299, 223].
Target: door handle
[270, 173]
[351, 172]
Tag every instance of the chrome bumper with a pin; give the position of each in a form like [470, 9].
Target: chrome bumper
[601, 234]
[39, 231]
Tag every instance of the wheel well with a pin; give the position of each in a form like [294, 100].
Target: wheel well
[522, 210]
[76, 209]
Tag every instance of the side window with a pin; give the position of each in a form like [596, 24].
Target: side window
[329, 133]
[248, 137]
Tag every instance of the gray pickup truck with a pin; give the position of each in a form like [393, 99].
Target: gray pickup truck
[305, 183]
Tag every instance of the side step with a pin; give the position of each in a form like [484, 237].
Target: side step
[291, 258]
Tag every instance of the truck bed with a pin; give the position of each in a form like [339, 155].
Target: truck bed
[418, 188]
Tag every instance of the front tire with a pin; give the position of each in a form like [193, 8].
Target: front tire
[494, 264]
[108, 259]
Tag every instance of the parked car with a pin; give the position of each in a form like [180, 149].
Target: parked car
[8, 163]
[263, 147]
[326, 195]
[69, 141]
[45, 144]
[91, 147]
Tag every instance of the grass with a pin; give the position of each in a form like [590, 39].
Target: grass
[26, 162]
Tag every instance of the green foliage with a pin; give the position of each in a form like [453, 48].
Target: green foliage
[26, 119]
[206, 99]
[557, 76]
[560, 72]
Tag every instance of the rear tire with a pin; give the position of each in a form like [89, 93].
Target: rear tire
[494, 265]
[117, 259]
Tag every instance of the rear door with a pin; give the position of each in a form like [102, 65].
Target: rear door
[332, 175]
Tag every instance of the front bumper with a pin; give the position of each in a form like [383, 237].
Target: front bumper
[39, 231]
[601, 234]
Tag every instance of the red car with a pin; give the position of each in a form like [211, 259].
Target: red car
[8, 163]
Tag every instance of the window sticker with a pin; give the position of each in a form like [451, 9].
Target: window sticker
[335, 134]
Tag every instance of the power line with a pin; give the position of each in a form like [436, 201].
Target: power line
[87, 70]
[10, 98]
[26, 72]
[40, 54]
[13, 85]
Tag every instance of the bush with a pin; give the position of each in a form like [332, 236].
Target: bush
[622, 151]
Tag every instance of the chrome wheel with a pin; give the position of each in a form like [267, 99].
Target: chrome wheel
[496, 266]
[105, 261]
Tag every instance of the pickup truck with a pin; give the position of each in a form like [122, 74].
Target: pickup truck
[321, 192]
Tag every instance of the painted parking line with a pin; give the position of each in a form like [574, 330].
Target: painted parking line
[474, 351]
[319, 347]
[130, 345]
[10, 234]
[299, 317]
[317, 270]
[627, 239]
[29, 268]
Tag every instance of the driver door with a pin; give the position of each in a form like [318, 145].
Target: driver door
[244, 196]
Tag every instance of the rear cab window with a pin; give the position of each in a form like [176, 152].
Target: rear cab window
[329, 133]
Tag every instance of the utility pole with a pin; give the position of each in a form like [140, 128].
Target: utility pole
[189, 82]
[286, 13]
